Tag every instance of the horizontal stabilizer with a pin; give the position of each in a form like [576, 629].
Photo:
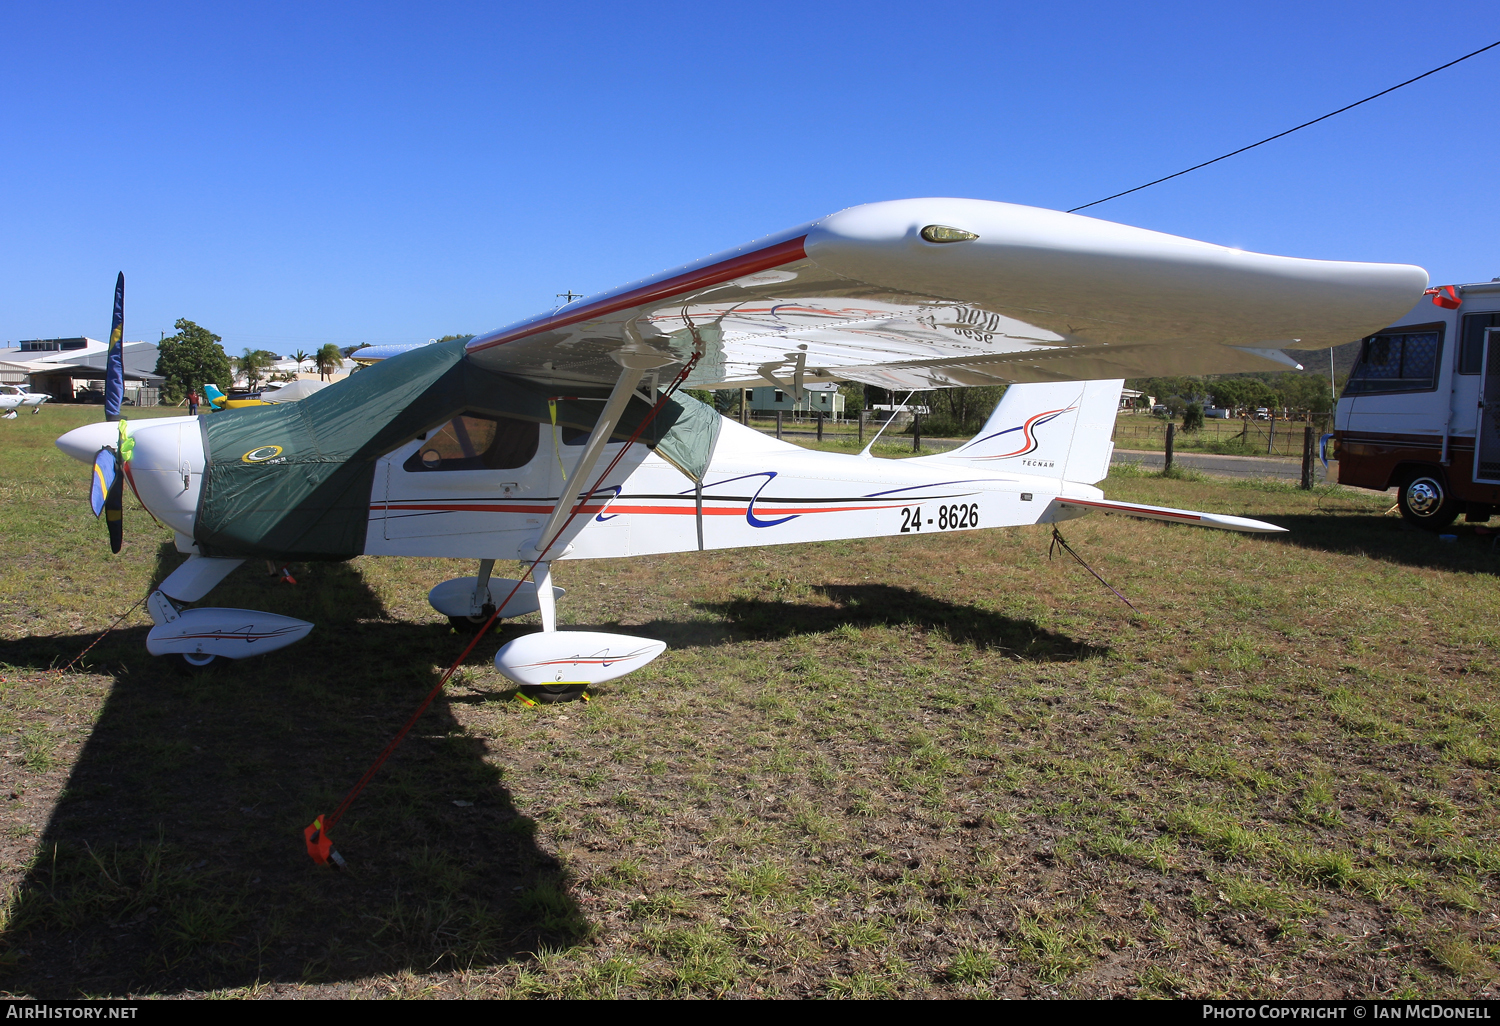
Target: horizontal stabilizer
[1171, 516]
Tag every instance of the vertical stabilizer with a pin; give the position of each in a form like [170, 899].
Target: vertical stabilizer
[1056, 429]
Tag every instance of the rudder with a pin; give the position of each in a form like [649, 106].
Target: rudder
[1053, 429]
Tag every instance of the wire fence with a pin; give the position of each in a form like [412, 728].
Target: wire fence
[1242, 437]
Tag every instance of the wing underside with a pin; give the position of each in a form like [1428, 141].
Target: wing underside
[1035, 295]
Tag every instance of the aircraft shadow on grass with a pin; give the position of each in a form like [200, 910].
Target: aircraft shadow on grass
[884, 605]
[175, 859]
[1390, 540]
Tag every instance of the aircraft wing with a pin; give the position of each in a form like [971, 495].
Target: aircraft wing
[1025, 294]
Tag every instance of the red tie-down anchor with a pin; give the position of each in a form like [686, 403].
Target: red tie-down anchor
[320, 847]
[1445, 296]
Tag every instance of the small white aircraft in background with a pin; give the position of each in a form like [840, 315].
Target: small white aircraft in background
[16, 397]
[490, 449]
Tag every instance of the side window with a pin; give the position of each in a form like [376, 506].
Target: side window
[1397, 362]
[1471, 348]
[476, 443]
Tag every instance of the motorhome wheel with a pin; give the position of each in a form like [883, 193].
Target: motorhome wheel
[1426, 502]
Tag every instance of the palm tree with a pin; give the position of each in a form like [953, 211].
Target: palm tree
[329, 360]
[301, 357]
[253, 365]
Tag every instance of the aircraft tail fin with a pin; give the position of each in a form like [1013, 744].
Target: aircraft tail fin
[214, 396]
[1052, 429]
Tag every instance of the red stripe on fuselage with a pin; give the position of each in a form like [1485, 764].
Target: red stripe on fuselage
[617, 509]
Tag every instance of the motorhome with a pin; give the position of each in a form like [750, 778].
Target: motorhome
[1421, 410]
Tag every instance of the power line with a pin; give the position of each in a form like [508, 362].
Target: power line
[1289, 131]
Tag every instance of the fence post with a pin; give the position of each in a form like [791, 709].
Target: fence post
[916, 432]
[778, 423]
[1271, 434]
[1307, 458]
[861, 429]
[820, 425]
[745, 406]
[1171, 437]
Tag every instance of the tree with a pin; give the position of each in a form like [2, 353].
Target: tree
[253, 366]
[1192, 417]
[190, 358]
[301, 356]
[329, 359]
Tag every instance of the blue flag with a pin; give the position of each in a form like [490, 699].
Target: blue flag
[114, 356]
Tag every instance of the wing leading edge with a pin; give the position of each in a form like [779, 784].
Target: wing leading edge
[1036, 295]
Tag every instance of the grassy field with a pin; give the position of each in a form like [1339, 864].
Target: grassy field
[943, 766]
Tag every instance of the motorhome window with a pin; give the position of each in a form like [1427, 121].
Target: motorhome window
[1471, 349]
[1392, 362]
[476, 443]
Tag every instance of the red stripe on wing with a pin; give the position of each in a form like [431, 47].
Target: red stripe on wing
[702, 277]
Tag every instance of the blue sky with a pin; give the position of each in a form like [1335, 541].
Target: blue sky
[290, 174]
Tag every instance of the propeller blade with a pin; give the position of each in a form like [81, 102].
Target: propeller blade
[106, 470]
[113, 518]
[107, 494]
[114, 356]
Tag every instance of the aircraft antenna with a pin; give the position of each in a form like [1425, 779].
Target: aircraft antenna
[1289, 131]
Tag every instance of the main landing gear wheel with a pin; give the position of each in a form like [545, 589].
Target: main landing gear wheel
[198, 660]
[470, 624]
[550, 694]
[1426, 502]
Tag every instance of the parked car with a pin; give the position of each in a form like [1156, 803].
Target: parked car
[96, 395]
[1262, 413]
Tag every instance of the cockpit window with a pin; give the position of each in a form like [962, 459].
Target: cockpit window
[472, 442]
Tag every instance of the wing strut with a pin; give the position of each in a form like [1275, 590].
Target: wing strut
[634, 363]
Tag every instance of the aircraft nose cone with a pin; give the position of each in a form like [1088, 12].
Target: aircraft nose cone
[84, 443]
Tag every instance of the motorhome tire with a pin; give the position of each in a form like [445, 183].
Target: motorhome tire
[549, 694]
[1426, 502]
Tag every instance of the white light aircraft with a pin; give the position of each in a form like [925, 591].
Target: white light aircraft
[16, 397]
[493, 448]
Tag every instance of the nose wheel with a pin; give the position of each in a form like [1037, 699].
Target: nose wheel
[198, 660]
